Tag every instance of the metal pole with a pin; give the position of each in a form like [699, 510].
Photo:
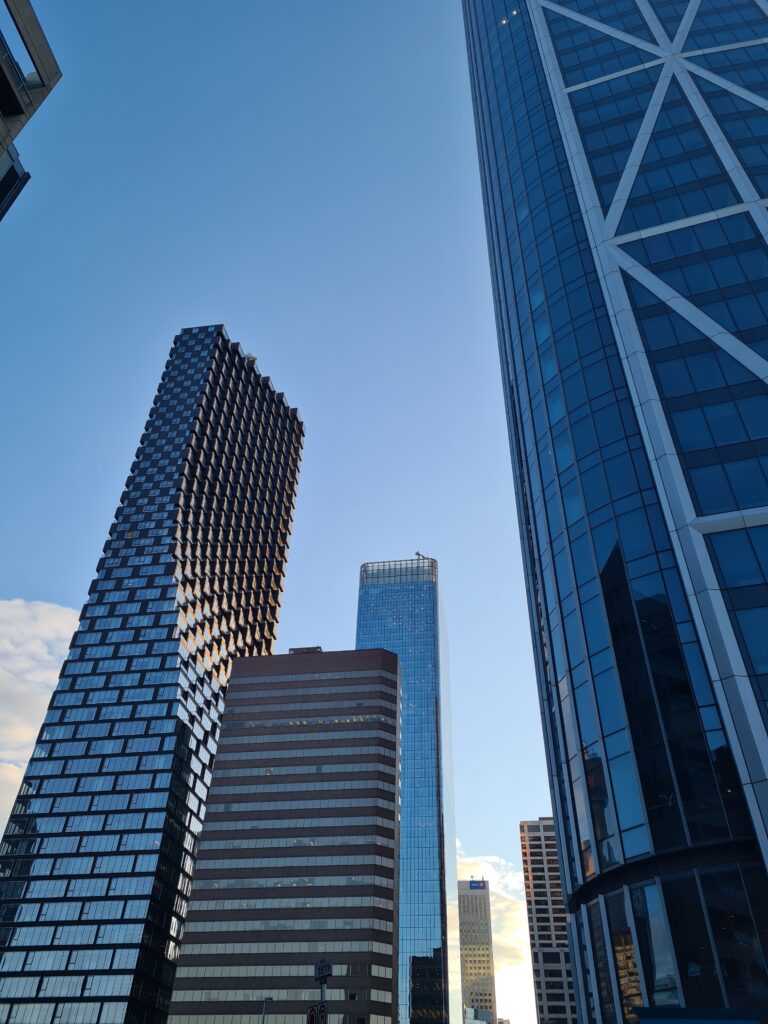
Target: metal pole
[267, 999]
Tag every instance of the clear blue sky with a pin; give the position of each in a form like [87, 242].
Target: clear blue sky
[305, 173]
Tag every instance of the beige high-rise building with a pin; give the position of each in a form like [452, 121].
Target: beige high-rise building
[478, 988]
[552, 974]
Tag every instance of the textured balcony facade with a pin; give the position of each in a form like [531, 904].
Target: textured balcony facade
[97, 859]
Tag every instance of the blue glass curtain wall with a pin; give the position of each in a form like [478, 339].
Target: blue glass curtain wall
[398, 610]
[653, 825]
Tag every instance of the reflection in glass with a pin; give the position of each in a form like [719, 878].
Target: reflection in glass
[624, 958]
[655, 945]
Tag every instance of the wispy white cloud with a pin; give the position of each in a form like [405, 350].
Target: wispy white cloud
[511, 948]
[34, 637]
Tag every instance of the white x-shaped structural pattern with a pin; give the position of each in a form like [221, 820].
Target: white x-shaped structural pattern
[662, 107]
[689, 76]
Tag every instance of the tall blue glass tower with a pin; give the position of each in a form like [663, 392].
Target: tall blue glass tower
[624, 162]
[97, 858]
[398, 609]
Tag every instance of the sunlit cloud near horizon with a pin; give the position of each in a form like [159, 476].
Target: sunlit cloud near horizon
[511, 948]
[34, 637]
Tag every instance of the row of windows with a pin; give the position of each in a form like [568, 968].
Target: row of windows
[82, 726]
[283, 824]
[76, 910]
[254, 948]
[247, 1018]
[67, 986]
[99, 843]
[371, 783]
[237, 995]
[132, 885]
[301, 753]
[301, 924]
[69, 960]
[293, 842]
[141, 864]
[302, 705]
[331, 677]
[119, 765]
[283, 882]
[295, 805]
[67, 805]
[286, 902]
[254, 739]
[235, 725]
[63, 1013]
[276, 970]
[73, 935]
[300, 772]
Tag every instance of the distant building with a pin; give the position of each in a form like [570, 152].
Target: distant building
[552, 973]
[299, 850]
[472, 1016]
[28, 72]
[478, 988]
[398, 609]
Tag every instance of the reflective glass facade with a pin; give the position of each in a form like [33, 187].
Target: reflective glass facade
[398, 609]
[623, 152]
[298, 854]
[97, 858]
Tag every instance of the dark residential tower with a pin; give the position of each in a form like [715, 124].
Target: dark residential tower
[398, 609]
[624, 154]
[28, 72]
[299, 850]
[97, 858]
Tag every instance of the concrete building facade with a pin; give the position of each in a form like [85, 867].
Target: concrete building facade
[547, 916]
[478, 985]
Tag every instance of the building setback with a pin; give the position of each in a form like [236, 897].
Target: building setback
[28, 72]
[98, 854]
[478, 985]
[622, 155]
[547, 924]
[398, 609]
[299, 850]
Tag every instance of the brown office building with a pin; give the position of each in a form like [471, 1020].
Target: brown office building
[298, 856]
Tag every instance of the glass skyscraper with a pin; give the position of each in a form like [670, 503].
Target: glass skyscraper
[624, 161]
[97, 858]
[398, 610]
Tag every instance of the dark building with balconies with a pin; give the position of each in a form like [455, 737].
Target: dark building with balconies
[97, 859]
